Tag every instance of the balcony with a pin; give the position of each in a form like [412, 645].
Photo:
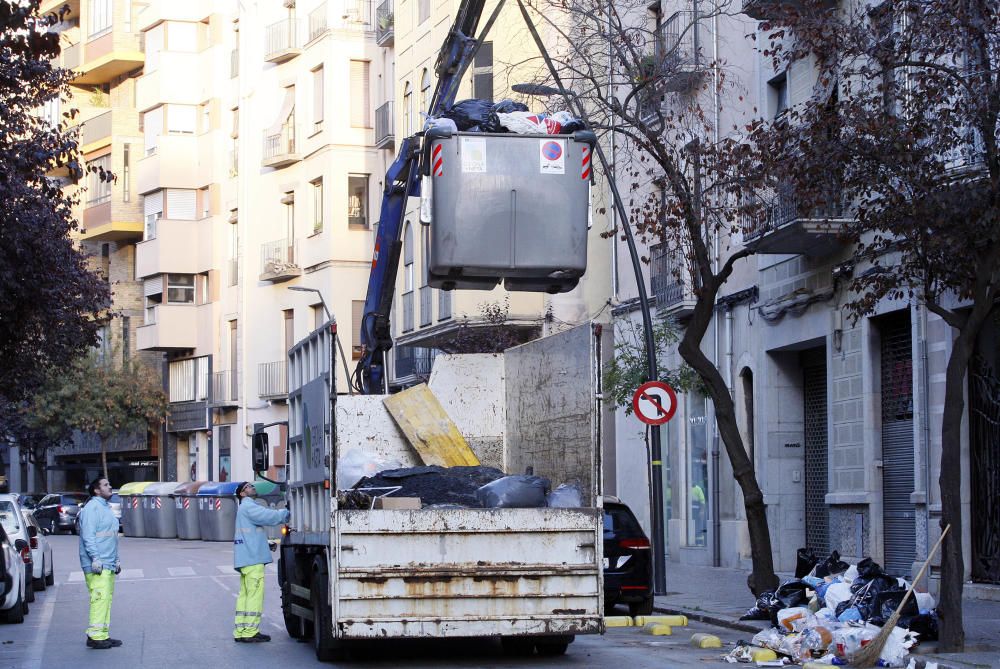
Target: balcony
[680, 64]
[169, 327]
[109, 54]
[384, 28]
[54, 7]
[280, 148]
[225, 389]
[767, 10]
[109, 220]
[272, 380]
[281, 41]
[317, 22]
[784, 225]
[178, 247]
[72, 55]
[384, 136]
[177, 79]
[278, 261]
[670, 282]
[179, 161]
[148, 14]
[96, 132]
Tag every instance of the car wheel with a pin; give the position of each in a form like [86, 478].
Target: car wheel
[643, 608]
[50, 578]
[29, 589]
[52, 527]
[39, 583]
[15, 614]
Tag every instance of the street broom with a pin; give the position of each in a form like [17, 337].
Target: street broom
[869, 655]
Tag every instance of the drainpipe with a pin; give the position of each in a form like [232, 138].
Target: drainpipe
[614, 162]
[716, 492]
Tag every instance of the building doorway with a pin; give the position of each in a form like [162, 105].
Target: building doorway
[816, 449]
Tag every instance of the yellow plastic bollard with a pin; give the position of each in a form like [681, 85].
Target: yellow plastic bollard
[702, 640]
[672, 620]
[758, 654]
[618, 621]
[657, 629]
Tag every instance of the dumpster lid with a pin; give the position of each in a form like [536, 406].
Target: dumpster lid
[217, 489]
[189, 489]
[266, 488]
[165, 488]
[135, 488]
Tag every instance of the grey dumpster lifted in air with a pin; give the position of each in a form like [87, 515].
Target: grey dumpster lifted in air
[507, 207]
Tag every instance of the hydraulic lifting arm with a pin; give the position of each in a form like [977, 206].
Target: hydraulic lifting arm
[401, 183]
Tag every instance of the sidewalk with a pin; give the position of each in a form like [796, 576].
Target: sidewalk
[719, 596]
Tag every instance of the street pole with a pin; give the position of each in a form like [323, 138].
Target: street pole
[656, 449]
[339, 346]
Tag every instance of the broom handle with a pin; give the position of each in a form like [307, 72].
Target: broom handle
[927, 562]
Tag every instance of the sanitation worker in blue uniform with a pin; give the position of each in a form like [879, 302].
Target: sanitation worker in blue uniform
[250, 554]
[99, 560]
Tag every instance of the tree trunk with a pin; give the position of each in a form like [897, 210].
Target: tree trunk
[763, 577]
[104, 458]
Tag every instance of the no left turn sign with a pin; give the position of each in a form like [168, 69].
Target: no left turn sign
[654, 403]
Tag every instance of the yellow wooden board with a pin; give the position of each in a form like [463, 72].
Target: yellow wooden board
[426, 425]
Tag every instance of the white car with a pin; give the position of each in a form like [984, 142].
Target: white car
[43, 571]
[13, 584]
[17, 528]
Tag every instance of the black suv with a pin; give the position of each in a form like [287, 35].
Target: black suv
[628, 565]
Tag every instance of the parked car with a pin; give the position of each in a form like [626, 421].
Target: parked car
[115, 502]
[13, 583]
[18, 529]
[29, 500]
[57, 511]
[43, 570]
[628, 565]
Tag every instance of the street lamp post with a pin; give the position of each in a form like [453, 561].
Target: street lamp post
[329, 317]
[656, 450]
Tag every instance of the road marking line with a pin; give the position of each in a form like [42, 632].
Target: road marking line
[181, 571]
[75, 577]
[44, 624]
[226, 568]
[130, 574]
[221, 584]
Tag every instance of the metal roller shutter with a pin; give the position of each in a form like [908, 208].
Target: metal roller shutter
[816, 451]
[898, 513]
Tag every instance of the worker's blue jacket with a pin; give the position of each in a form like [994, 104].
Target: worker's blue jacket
[98, 534]
[250, 543]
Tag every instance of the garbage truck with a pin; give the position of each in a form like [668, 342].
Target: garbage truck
[528, 576]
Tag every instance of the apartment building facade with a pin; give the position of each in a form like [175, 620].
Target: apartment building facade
[841, 419]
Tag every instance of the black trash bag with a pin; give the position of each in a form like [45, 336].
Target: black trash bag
[767, 606]
[869, 569]
[832, 565]
[506, 106]
[468, 114]
[434, 484]
[867, 588]
[792, 593]
[925, 625]
[805, 560]
[514, 492]
[572, 126]
[885, 604]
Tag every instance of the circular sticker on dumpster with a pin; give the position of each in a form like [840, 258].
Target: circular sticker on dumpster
[552, 150]
[654, 403]
[552, 156]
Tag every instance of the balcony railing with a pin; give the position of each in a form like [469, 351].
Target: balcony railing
[384, 24]
[280, 147]
[384, 127]
[786, 224]
[776, 9]
[426, 308]
[669, 280]
[444, 305]
[317, 22]
[680, 63]
[272, 380]
[412, 361]
[281, 41]
[278, 261]
[225, 387]
[782, 207]
[357, 15]
[71, 56]
[408, 311]
[95, 129]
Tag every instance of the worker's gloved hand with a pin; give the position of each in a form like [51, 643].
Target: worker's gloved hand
[273, 545]
[118, 568]
[96, 566]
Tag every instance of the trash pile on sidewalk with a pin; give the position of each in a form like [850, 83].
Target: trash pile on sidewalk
[475, 115]
[361, 481]
[832, 609]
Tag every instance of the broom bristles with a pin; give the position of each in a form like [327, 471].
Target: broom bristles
[869, 654]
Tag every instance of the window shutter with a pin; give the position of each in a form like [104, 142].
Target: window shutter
[182, 119]
[318, 96]
[152, 286]
[152, 124]
[182, 37]
[154, 44]
[152, 203]
[360, 99]
[182, 204]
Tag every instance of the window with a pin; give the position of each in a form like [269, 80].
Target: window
[152, 128]
[127, 173]
[360, 98]
[189, 380]
[98, 187]
[778, 93]
[152, 205]
[482, 72]
[153, 46]
[407, 109]
[182, 36]
[318, 99]
[319, 316]
[205, 111]
[204, 203]
[317, 192]
[182, 119]
[425, 92]
[181, 204]
[289, 202]
[289, 330]
[101, 13]
[180, 288]
[357, 200]
[697, 470]
[408, 259]
[423, 11]
[357, 317]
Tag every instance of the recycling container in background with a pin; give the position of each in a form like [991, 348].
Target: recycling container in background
[158, 510]
[217, 510]
[271, 496]
[132, 519]
[186, 510]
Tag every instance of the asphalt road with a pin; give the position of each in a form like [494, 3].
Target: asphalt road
[173, 607]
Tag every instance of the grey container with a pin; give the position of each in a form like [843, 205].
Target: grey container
[510, 207]
[133, 524]
[158, 513]
[217, 511]
[186, 510]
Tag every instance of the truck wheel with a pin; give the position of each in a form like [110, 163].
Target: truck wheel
[323, 642]
[553, 645]
[643, 608]
[517, 646]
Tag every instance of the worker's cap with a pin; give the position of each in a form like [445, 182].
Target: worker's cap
[241, 487]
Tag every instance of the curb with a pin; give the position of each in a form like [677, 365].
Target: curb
[709, 618]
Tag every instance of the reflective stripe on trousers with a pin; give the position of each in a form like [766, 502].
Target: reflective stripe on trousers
[102, 588]
[250, 603]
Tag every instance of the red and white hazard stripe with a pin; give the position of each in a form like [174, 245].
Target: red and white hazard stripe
[187, 502]
[218, 503]
[438, 160]
[157, 503]
[585, 163]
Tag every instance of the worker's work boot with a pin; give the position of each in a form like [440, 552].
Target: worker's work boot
[100, 644]
[256, 638]
[115, 642]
